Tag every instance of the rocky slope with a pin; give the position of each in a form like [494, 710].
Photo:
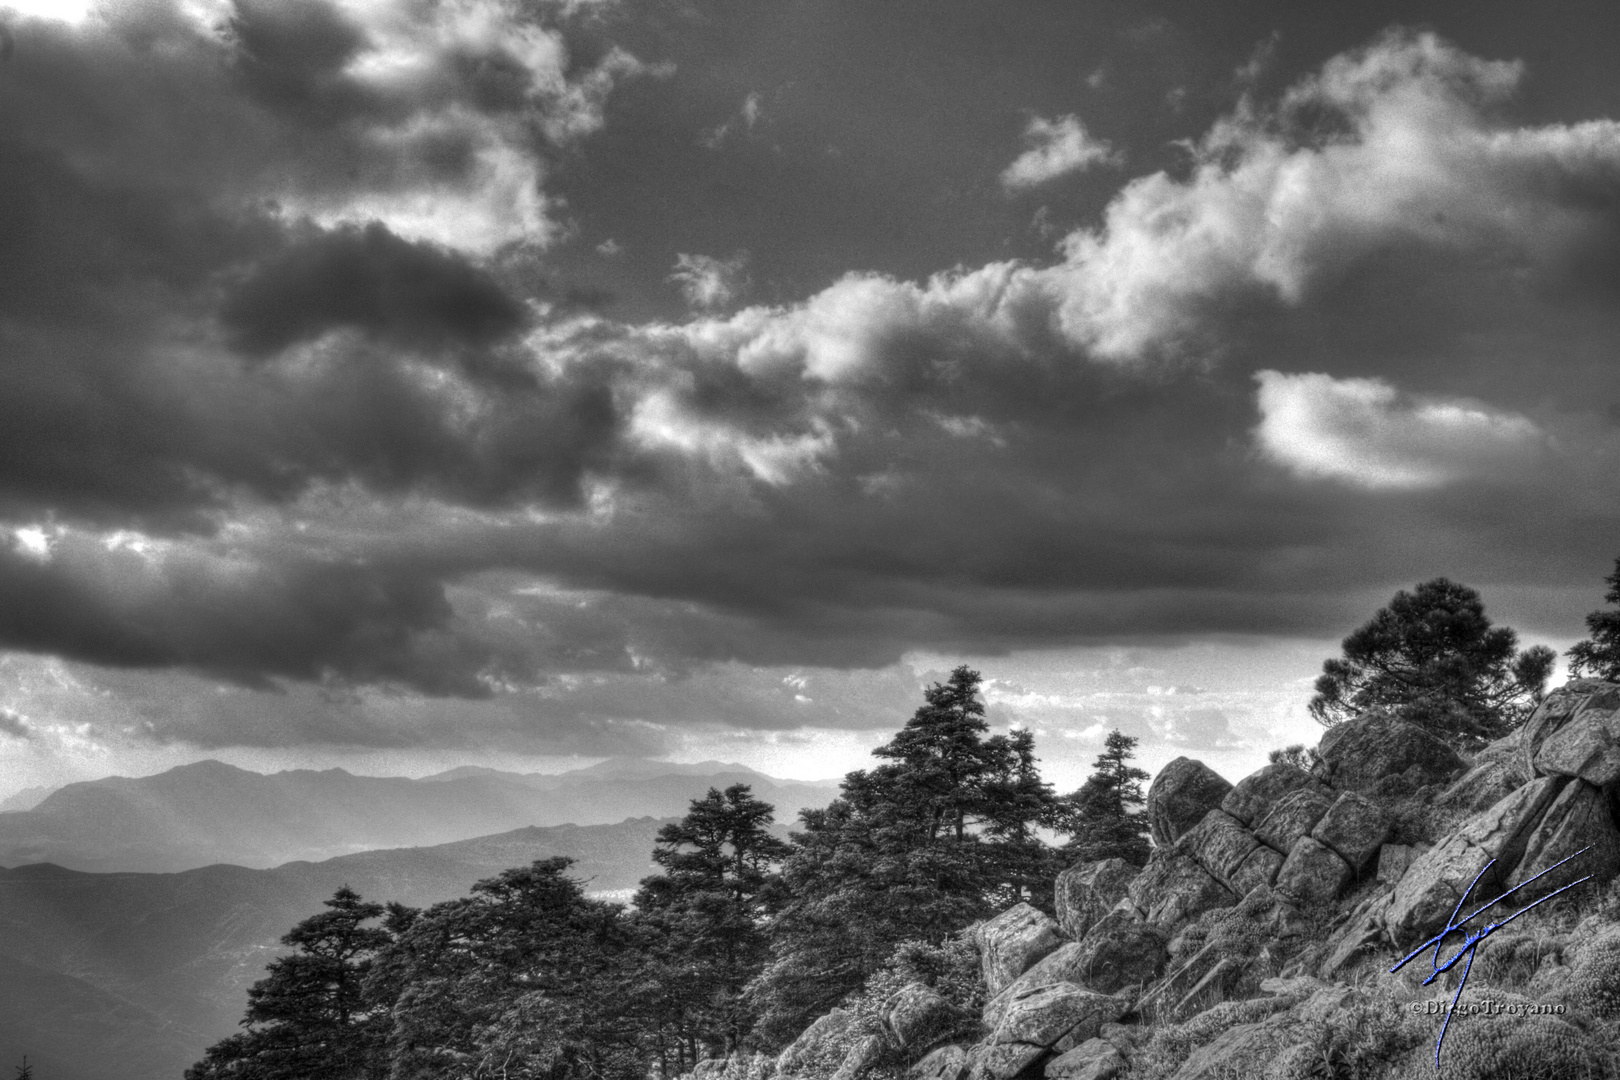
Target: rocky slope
[1258, 940]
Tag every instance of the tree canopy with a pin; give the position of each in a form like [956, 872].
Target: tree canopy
[1433, 658]
[1106, 818]
[1599, 655]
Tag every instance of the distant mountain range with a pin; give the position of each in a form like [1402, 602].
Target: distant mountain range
[210, 812]
[130, 976]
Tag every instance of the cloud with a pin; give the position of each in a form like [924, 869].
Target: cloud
[1056, 148]
[1360, 431]
[13, 725]
[708, 282]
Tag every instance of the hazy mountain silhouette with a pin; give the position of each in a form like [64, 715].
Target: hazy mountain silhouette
[130, 976]
[210, 812]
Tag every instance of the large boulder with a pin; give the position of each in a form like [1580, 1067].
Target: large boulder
[860, 1057]
[945, 1063]
[1356, 754]
[1220, 844]
[1120, 951]
[1489, 782]
[1427, 894]
[918, 1016]
[1578, 819]
[1010, 943]
[1355, 828]
[1260, 868]
[1088, 891]
[1293, 818]
[1094, 1059]
[1173, 887]
[1393, 861]
[813, 1042]
[1557, 710]
[1587, 744]
[1038, 1021]
[1312, 873]
[1255, 795]
[1179, 797]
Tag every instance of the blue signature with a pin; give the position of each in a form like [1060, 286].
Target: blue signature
[1473, 941]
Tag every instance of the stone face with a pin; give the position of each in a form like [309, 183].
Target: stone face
[1220, 843]
[1094, 1059]
[1312, 873]
[1179, 797]
[1587, 745]
[1356, 754]
[1579, 818]
[1292, 818]
[1119, 952]
[1260, 868]
[1087, 892]
[1559, 709]
[1355, 828]
[1393, 859]
[1428, 892]
[808, 1045]
[946, 1063]
[1042, 1016]
[917, 1016]
[1484, 785]
[860, 1058]
[1173, 888]
[1012, 942]
[1255, 795]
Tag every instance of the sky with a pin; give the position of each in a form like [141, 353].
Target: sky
[399, 384]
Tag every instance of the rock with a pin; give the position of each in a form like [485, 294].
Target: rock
[1220, 844]
[1484, 785]
[1328, 1006]
[1179, 797]
[1393, 859]
[918, 1016]
[1088, 891]
[809, 1045]
[1312, 873]
[1557, 710]
[1587, 744]
[1257, 793]
[1010, 943]
[1363, 931]
[1427, 894]
[1241, 1050]
[1037, 1020]
[1094, 1059]
[860, 1058]
[945, 1063]
[1355, 828]
[1578, 818]
[1293, 818]
[1260, 868]
[1173, 888]
[1168, 1000]
[1120, 952]
[1298, 986]
[1356, 754]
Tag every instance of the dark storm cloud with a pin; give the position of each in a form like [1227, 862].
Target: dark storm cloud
[1254, 394]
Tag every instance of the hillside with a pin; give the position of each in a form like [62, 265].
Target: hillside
[210, 812]
[121, 976]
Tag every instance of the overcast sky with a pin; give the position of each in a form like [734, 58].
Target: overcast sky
[398, 384]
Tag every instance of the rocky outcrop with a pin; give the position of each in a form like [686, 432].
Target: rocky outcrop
[1394, 860]
[1312, 873]
[1038, 1022]
[1173, 887]
[1179, 797]
[1220, 844]
[1428, 892]
[1356, 755]
[1094, 1059]
[1579, 820]
[1012, 942]
[1087, 892]
[945, 1063]
[1255, 795]
[919, 1016]
[1587, 742]
[1292, 818]
[1120, 951]
[1354, 828]
[1558, 710]
[811, 1044]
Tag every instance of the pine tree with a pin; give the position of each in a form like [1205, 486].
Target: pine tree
[1434, 659]
[25, 1071]
[702, 921]
[914, 849]
[309, 1015]
[1599, 655]
[1105, 817]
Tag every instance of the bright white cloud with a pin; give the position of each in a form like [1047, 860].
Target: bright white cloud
[1056, 148]
[1363, 432]
[709, 283]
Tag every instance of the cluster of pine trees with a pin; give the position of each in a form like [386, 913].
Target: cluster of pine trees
[740, 941]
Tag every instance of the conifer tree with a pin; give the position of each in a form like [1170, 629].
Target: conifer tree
[309, 1015]
[1598, 656]
[1106, 818]
[25, 1071]
[702, 923]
